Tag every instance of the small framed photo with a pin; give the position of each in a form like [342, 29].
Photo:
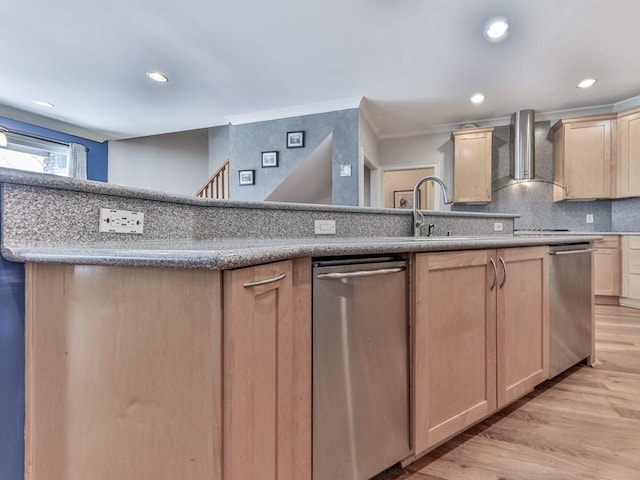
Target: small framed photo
[246, 177]
[295, 139]
[404, 199]
[269, 159]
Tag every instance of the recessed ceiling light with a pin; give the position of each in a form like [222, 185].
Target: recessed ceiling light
[496, 30]
[587, 82]
[43, 104]
[477, 98]
[158, 77]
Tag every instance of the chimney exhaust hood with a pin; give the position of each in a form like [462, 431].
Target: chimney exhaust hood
[523, 145]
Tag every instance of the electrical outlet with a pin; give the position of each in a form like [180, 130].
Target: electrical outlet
[345, 170]
[498, 227]
[121, 221]
[324, 227]
[589, 217]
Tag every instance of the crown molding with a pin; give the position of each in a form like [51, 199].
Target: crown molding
[626, 104]
[52, 124]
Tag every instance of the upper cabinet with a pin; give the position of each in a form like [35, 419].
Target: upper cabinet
[628, 149]
[583, 149]
[597, 156]
[472, 165]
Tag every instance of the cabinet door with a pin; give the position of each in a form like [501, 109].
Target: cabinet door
[522, 321]
[123, 373]
[472, 166]
[455, 340]
[262, 379]
[587, 159]
[628, 150]
[607, 272]
[630, 268]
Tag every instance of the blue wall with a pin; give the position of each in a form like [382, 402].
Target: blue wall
[11, 370]
[96, 156]
[12, 319]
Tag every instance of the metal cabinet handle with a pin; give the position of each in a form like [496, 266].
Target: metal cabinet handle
[495, 274]
[265, 282]
[360, 273]
[504, 269]
[571, 252]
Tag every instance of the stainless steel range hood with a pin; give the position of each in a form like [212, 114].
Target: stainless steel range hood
[523, 145]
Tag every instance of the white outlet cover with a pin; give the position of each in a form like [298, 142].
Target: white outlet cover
[345, 170]
[324, 227]
[589, 217]
[121, 221]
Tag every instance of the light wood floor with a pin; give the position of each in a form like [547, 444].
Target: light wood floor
[584, 424]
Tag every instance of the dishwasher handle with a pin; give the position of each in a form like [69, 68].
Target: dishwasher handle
[572, 252]
[359, 273]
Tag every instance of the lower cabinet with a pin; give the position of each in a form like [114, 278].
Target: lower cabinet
[480, 336]
[630, 292]
[607, 266]
[267, 372]
[155, 373]
[123, 374]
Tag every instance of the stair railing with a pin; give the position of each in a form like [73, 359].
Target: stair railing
[218, 184]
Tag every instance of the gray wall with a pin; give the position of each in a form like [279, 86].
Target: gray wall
[218, 147]
[625, 215]
[534, 200]
[246, 142]
[173, 163]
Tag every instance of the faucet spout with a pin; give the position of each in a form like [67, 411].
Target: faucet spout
[418, 218]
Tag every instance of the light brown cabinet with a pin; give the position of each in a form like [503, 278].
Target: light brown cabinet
[454, 344]
[123, 374]
[480, 336]
[583, 150]
[267, 373]
[522, 321]
[472, 151]
[607, 267]
[630, 291]
[138, 373]
[628, 151]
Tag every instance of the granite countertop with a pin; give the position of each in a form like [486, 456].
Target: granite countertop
[234, 253]
[19, 177]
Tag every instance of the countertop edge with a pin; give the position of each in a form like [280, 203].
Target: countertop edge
[218, 258]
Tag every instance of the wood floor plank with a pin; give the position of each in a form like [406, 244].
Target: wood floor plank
[584, 424]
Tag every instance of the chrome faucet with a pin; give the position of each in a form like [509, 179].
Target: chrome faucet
[418, 218]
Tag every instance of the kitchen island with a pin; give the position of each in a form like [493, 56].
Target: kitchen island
[185, 352]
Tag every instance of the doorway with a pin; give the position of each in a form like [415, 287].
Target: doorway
[398, 188]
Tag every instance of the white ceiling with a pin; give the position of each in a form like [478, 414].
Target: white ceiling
[416, 62]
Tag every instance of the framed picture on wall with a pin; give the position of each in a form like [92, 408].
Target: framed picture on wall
[404, 199]
[295, 139]
[269, 159]
[246, 177]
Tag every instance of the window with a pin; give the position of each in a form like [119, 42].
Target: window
[33, 154]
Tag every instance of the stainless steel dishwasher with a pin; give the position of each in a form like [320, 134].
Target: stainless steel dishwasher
[360, 367]
[570, 306]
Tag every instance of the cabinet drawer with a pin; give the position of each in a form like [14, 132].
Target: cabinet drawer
[609, 241]
[634, 242]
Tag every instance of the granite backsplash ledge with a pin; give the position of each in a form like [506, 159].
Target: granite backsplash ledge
[39, 213]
